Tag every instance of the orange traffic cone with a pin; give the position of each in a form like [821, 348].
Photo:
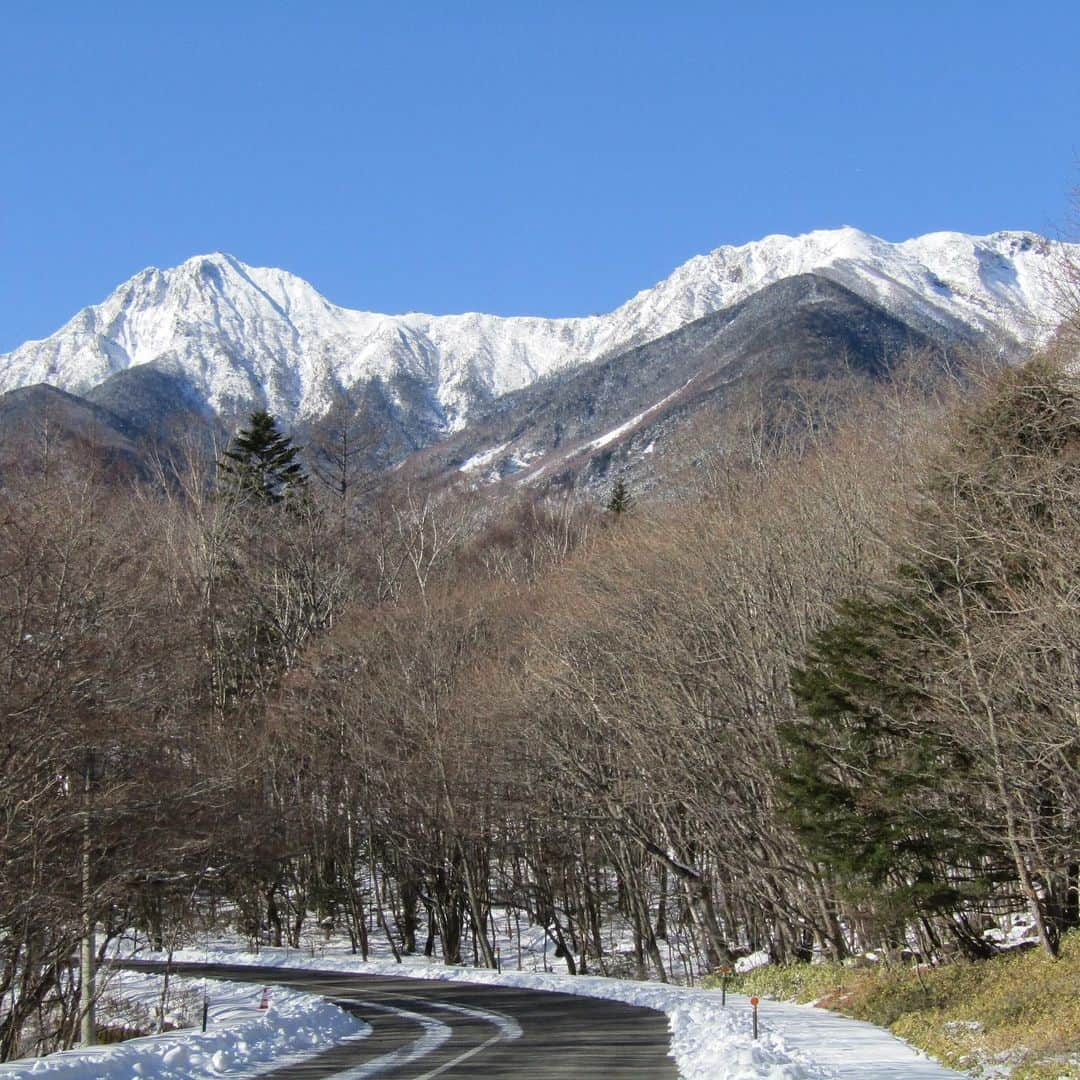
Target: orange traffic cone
[265, 1002]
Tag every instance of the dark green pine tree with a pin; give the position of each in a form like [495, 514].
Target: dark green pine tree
[863, 778]
[260, 464]
[619, 501]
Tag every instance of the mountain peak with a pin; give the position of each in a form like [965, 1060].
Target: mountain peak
[218, 259]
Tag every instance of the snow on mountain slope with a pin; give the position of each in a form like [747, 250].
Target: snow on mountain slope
[249, 336]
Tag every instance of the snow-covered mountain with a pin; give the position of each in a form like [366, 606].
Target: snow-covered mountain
[246, 336]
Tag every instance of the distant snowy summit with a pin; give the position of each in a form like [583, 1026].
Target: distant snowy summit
[245, 336]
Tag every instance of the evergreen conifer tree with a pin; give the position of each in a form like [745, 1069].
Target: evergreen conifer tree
[863, 780]
[619, 501]
[260, 465]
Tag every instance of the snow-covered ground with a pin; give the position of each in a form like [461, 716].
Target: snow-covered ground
[850, 1048]
[241, 1039]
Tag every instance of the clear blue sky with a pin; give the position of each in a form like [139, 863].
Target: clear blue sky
[548, 158]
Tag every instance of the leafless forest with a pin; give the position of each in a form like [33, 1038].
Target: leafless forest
[822, 696]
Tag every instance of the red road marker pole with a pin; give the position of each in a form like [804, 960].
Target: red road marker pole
[754, 1004]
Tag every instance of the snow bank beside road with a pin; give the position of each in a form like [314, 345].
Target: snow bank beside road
[708, 1042]
[240, 1038]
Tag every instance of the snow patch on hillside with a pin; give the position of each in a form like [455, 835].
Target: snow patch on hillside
[629, 425]
[485, 457]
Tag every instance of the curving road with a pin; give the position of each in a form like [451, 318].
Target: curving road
[424, 1029]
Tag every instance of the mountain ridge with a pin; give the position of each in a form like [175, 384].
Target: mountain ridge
[244, 337]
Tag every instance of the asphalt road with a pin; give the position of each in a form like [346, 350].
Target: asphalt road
[423, 1028]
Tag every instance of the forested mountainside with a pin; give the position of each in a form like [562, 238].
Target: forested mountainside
[642, 413]
[824, 702]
